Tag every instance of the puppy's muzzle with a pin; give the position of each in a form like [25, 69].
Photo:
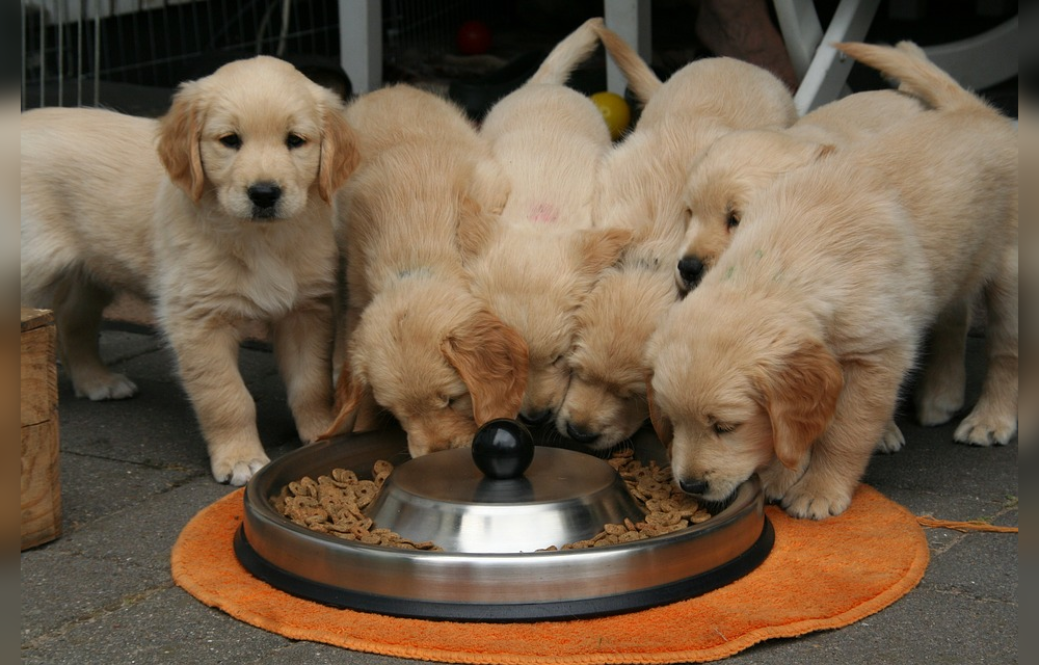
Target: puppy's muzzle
[264, 197]
[537, 417]
[690, 271]
[581, 435]
[696, 487]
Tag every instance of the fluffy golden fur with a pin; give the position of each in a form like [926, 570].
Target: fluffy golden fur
[221, 213]
[788, 358]
[420, 344]
[640, 184]
[733, 167]
[535, 264]
[725, 176]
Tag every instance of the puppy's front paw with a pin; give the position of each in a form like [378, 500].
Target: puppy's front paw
[105, 386]
[986, 429]
[237, 471]
[892, 440]
[777, 480]
[808, 500]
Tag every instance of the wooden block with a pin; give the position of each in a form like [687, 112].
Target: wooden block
[39, 383]
[40, 480]
[41, 484]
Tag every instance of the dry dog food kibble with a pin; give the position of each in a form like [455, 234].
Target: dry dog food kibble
[335, 504]
[667, 507]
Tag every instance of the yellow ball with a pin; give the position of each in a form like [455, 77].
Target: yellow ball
[614, 111]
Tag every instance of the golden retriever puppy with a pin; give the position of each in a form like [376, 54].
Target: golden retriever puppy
[640, 185]
[724, 177]
[787, 359]
[221, 213]
[420, 344]
[734, 166]
[536, 263]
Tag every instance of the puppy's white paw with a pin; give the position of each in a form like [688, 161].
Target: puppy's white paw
[803, 502]
[938, 409]
[237, 471]
[107, 386]
[892, 440]
[981, 429]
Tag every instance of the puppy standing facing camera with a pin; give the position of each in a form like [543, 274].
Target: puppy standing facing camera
[221, 213]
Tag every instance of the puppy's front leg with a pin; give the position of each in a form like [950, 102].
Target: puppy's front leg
[840, 456]
[303, 346]
[207, 354]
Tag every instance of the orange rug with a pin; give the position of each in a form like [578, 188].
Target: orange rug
[820, 575]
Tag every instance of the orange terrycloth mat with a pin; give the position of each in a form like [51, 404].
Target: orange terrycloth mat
[820, 575]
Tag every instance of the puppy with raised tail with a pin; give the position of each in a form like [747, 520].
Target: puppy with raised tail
[640, 186]
[725, 176]
[534, 265]
[419, 344]
[221, 213]
[787, 359]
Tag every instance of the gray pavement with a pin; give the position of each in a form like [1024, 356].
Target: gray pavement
[134, 472]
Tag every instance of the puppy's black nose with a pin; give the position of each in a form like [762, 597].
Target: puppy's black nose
[693, 486]
[691, 270]
[264, 194]
[580, 435]
[536, 417]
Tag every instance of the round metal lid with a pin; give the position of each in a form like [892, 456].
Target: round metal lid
[563, 497]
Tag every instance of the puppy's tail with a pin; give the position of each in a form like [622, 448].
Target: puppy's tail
[568, 54]
[916, 74]
[641, 78]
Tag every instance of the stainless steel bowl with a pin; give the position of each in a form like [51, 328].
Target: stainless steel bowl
[509, 585]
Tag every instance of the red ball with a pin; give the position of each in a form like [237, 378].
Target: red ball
[473, 38]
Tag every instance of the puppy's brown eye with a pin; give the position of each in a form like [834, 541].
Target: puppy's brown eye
[294, 141]
[232, 141]
[733, 220]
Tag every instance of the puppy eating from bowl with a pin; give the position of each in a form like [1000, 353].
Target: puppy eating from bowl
[418, 343]
[788, 358]
[640, 185]
[534, 264]
[221, 213]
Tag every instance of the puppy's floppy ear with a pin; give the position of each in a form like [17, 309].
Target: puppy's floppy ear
[800, 393]
[601, 248]
[180, 134]
[661, 423]
[340, 152]
[348, 395]
[492, 359]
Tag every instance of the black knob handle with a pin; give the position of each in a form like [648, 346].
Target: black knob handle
[503, 448]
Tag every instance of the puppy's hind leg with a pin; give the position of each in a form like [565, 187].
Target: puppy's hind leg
[994, 418]
[303, 342]
[939, 394]
[78, 306]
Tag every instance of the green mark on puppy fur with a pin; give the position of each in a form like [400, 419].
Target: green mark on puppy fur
[729, 273]
[760, 254]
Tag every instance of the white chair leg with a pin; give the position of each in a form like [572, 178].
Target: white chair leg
[826, 76]
[360, 43]
[631, 20]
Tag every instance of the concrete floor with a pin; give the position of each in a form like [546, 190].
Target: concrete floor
[134, 472]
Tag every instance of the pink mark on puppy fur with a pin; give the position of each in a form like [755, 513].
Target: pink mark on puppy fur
[545, 213]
